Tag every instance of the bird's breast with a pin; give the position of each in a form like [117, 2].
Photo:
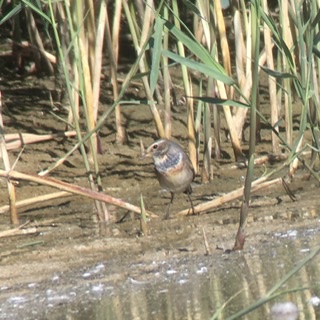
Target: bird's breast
[168, 162]
[174, 174]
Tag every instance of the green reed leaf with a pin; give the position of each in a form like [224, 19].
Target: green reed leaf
[208, 70]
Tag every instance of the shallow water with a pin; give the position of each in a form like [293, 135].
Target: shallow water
[180, 288]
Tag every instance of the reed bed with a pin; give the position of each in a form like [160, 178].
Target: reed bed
[282, 42]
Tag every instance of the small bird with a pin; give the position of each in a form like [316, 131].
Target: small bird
[173, 168]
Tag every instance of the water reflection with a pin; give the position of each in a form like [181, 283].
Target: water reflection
[187, 288]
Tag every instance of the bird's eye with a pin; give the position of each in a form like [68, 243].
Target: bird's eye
[155, 147]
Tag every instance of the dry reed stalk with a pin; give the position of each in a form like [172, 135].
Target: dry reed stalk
[271, 158]
[271, 82]
[16, 140]
[224, 91]
[139, 44]
[6, 164]
[198, 28]
[198, 122]
[187, 85]
[147, 23]
[207, 152]
[167, 82]
[245, 66]
[295, 163]
[89, 17]
[167, 99]
[240, 49]
[315, 83]
[191, 131]
[98, 49]
[241, 113]
[112, 47]
[217, 132]
[81, 83]
[152, 105]
[226, 61]
[84, 23]
[18, 231]
[15, 175]
[259, 184]
[68, 61]
[210, 40]
[74, 116]
[231, 121]
[121, 133]
[204, 33]
[36, 200]
[288, 40]
[116, 28]
[204, 28]
[91, 121]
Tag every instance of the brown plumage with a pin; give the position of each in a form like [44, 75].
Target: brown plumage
[173, 168]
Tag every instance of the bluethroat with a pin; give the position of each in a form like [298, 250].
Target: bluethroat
[173, 169]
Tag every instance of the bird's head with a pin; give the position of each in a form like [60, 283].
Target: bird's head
[158, 149]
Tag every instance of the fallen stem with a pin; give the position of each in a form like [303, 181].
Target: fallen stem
[17, 230]
[256, 185]
[15, 175]
[16, 140]
[42, 198]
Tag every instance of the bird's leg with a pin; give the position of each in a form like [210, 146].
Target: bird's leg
[192, 207]
[169, 206]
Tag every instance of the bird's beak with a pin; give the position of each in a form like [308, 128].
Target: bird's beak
[142, 150]
[145, 155]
